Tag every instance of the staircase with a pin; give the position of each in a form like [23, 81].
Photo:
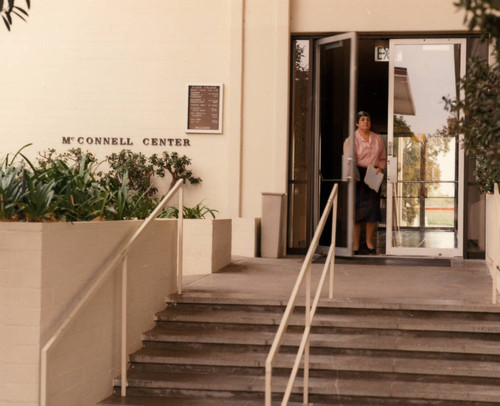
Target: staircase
[209, 352]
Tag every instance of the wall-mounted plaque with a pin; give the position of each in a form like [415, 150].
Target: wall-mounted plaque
[204, 108]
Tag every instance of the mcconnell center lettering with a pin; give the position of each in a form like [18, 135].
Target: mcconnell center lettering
[160, 142]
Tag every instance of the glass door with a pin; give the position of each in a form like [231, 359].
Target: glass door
[425, 162]
[335, 90]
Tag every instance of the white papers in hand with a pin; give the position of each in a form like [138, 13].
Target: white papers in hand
[373, 179]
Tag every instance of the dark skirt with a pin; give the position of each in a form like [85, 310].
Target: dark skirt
[367, 201]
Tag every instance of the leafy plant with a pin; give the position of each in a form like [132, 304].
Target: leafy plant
[38, 203]
[68, 186]
[79, 194]
[9, 8]
[176, 165]
[128, 204]
[135, 164]
[11, 192]
[199, 211]
[479, 110]
[485, 15]
[479, 120]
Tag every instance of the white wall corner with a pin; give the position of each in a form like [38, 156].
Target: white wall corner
[281, 101]
[246, 237]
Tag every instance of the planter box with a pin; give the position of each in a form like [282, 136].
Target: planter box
[44, 267]
[206, 245]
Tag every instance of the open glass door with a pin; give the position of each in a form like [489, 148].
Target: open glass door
[335, 104]
[425, 163]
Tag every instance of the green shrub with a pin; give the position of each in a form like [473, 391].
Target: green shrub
[70, 187]
[137, 168]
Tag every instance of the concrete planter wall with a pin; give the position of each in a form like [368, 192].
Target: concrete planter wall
[43, 268]
[246, 237]
[206, 245]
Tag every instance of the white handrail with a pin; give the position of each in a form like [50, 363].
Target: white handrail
[98, 282]
[493, 260]
[305, 272]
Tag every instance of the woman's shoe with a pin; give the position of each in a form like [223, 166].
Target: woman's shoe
[372, 251]
[356, 252]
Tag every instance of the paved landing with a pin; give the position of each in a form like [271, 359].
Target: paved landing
[454, 283]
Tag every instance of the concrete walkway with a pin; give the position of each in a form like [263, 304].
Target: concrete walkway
[457, 283]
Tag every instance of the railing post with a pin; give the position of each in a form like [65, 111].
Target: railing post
[496, 241]
[303, 353]
[333, 241]
[180, 239]
[269, 392]
[307, 326]
[124, 327]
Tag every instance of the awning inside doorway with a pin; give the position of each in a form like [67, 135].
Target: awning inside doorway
[403, 98]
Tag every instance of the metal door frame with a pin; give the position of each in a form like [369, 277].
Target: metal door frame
[343, 251]
[410, 251]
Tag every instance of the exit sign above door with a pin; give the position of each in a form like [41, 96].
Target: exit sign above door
[381, 54]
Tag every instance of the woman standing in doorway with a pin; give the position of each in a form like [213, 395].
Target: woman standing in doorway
[369, 150]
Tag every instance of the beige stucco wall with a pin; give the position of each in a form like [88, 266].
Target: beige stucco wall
[375, 16]
[120, 70]
[117, 69]
[44, 269]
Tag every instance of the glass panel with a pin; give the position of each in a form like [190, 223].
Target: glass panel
[297, 207]
[300, 141]
[334, 129]
[425, 201]
[301, 112]
[476, 201]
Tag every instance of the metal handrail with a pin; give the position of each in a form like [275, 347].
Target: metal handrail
[305, 272]
[98, 282]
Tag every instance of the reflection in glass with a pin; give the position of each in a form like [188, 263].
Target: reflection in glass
[297, 206]
[425, 195]
[301, 115]
[300, 139]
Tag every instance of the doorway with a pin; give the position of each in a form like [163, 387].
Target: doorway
[333, 77]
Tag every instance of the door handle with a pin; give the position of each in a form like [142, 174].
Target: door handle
[392, 169]
[346, 168]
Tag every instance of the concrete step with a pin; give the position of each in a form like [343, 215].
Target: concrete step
[386, 386]
[204, 352]
[330, 317]
[371, 340]
[204, 398]
[337, 303]
[207, 399]
[215, 357]
[176, 400]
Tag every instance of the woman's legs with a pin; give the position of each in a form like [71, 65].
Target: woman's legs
[357, 235]
[370, 232]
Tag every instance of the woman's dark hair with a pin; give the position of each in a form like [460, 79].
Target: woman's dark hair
[362, 114]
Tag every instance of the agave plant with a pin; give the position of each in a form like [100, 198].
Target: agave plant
[38, 204]
[200, 211]
[80, 195]
[11, 192]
